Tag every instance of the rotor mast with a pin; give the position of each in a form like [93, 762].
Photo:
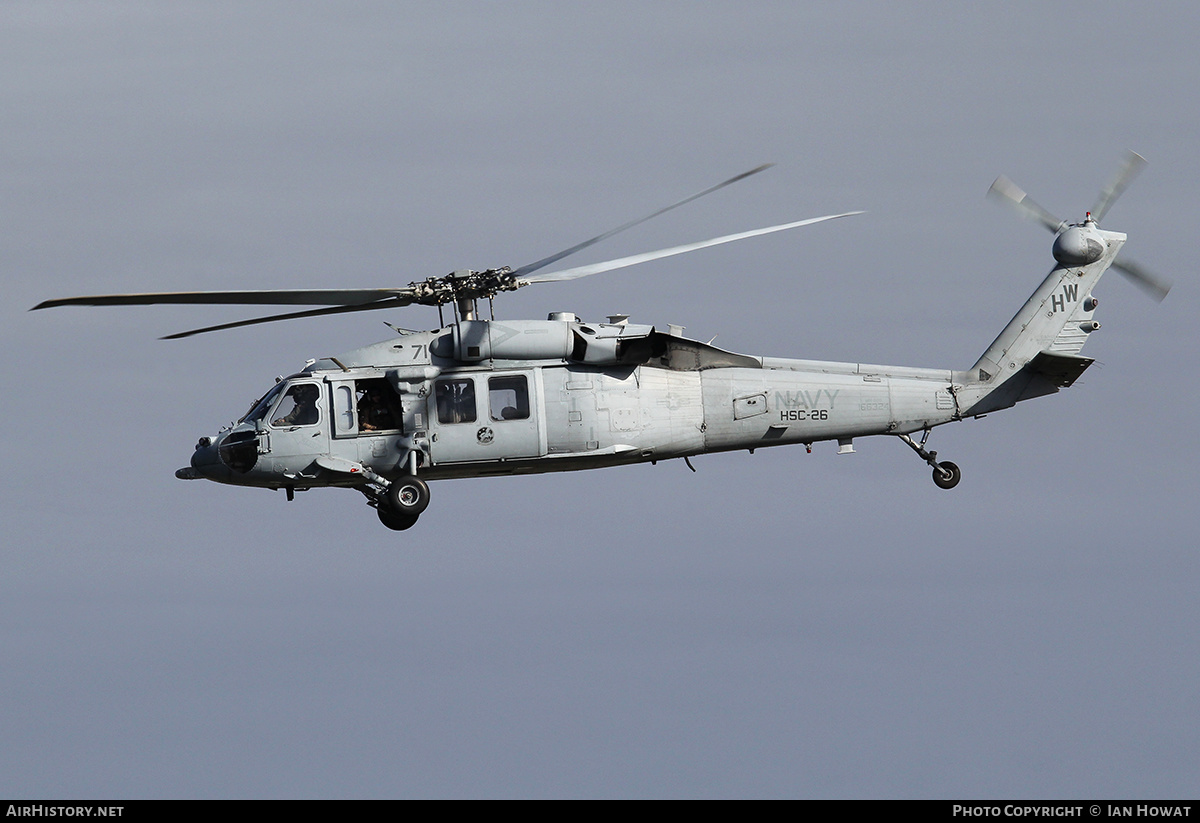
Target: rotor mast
[464, 288]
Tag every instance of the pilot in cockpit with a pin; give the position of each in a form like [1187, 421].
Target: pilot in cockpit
[304, 412]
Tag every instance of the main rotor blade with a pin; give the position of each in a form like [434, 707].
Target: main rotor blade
[1140, 277]
[554, 258]
[380, 304]
[272, 297]
[1008, 192]
[633, 260]
[1134, 163]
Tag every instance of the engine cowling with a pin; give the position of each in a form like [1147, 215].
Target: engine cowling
[595, 343]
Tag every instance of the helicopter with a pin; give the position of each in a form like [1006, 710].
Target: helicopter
[480, 397]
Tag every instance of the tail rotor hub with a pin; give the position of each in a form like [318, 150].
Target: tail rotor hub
[1079, 245]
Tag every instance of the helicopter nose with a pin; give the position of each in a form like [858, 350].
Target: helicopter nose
[206, 462]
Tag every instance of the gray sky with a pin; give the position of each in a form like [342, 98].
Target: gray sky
[776, 624]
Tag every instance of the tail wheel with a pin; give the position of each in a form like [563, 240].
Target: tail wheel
[408, 496]
[946, 475]
[395, 521]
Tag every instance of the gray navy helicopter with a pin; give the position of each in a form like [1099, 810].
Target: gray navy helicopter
[481, 397]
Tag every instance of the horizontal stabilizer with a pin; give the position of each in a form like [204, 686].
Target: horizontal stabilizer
[1045, 373]
[1061, 369]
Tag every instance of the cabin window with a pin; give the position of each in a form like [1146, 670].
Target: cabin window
[455, 401]
[343, 409]
[508, 398]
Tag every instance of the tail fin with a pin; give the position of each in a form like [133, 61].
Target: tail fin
[1038, 351]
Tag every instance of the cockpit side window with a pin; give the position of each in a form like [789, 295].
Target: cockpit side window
[455, 401]
[298, 407]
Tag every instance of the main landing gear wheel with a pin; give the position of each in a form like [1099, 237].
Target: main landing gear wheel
[946, 475]
[408, 496]
[395, 521]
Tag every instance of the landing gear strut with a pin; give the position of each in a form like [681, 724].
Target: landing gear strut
[945, 474]
[400, 502]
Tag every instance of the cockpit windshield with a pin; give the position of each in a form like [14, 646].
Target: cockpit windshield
[259, 409]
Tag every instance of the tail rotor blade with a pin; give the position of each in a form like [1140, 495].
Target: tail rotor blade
[1011, 194]
[1154, 286]
[1134, 163]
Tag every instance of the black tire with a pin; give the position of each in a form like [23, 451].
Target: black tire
[408, 495]
[394, 520]
[940, 478]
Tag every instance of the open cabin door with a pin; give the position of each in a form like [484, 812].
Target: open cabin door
[367, 422]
